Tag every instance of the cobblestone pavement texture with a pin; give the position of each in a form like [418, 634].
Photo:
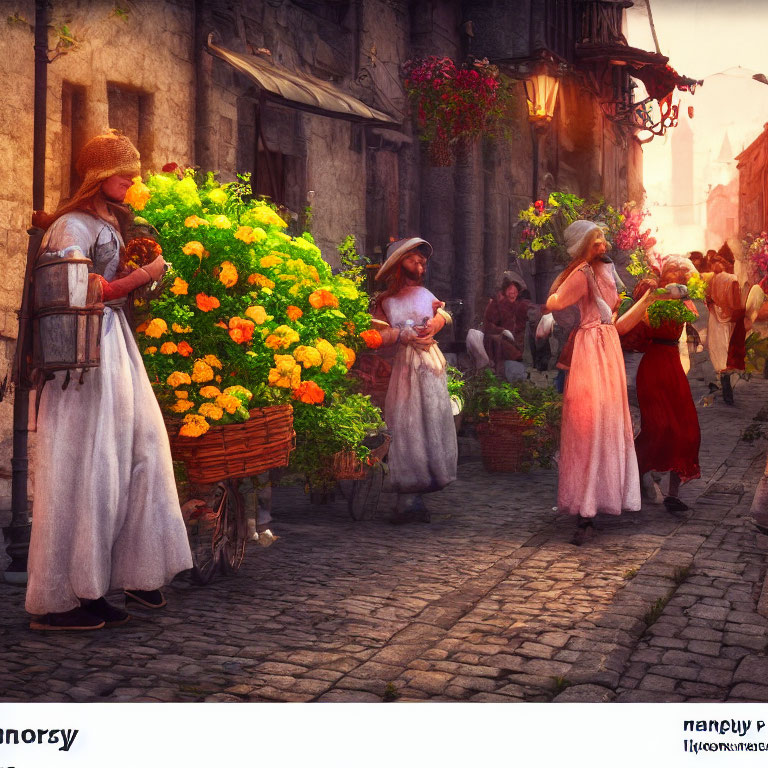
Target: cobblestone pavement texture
[490, 602]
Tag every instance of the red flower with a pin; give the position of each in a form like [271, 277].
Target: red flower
[170, 167]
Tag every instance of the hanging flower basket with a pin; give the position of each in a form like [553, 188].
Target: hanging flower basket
[502, 441]
[440, 153]
[263, 442]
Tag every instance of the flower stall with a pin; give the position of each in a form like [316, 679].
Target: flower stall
[253, 336]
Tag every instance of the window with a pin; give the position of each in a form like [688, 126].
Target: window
[72, 135]
[130, 112]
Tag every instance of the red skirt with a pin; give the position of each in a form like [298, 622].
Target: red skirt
[669, 436]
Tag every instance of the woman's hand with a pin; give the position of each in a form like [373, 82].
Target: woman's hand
[155, 269]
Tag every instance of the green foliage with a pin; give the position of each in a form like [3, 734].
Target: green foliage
[390, 693]
[630, 574]
[120, 13]
[757, 353]
[669, 310]
[456, 382]
[342, 425]
[654, 612]
[352, 262]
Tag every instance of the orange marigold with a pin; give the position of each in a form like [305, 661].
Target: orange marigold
[228, 274]
[322, 298]
[201, 372]
[309, 392]
[206, 303]
[156, 328]
[168, 348]
[194, 248]
[194, 426]
[372, 338]
[294, 313]
[179, 287]
[138, 195]
[261, 280]
[240, 330]
[184, 349]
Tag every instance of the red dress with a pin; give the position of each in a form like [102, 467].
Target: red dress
[669, 426]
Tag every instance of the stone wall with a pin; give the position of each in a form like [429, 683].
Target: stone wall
[148, 56]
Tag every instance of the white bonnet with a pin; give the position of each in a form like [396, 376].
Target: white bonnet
[575, 235]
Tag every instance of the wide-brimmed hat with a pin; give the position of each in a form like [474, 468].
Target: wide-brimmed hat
[510, 277]
[396, 253]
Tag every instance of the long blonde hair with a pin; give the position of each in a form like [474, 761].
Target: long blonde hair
[579, 260]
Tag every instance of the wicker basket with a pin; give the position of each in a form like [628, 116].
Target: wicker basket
[502, 442]
[263, 442]
[346, 465]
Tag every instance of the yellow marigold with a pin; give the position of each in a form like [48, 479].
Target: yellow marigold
[228, 402]
[156, 328]
[138, 195]
[194, 426]
[150, 350]
[260, 280]
[293, 313]
[288, 278]
[349, 355]
[283, 236]
[177, 378]
[201, 371]
[179, 287]
[282, 337]
[194, 248]
[328, 352]
[181, 328]
[236, 389]
[168, 348]
[182, 405]
[221, 222]
[181, 394]
[218, 196]
[265, 215]
[286, 373]
[210, 392]
[213, 361]
[313, 273]
[194, 222]
[308, 355]
[258, 314]
[270, 260]
[211, 411]
[228, 274]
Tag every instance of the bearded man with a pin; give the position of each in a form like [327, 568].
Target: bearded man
[417, 410]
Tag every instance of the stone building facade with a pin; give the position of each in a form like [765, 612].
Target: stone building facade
[146, 68]
[753, 186]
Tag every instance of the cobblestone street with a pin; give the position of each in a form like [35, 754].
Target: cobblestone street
[489, 602]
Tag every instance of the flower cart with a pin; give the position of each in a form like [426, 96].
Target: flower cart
[252, 340]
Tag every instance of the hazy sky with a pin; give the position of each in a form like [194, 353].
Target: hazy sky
[723, 43]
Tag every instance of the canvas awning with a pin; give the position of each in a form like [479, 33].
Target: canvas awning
[299, 89]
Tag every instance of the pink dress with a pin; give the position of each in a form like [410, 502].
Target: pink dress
[597, 465]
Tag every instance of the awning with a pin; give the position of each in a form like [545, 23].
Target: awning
[651, 68]
[300, 90]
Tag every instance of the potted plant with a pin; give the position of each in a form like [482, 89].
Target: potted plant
[517, 424]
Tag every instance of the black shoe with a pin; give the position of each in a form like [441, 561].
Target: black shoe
[673, 504]
[584, 530]
[152, 598]
[77, 619]
[111, 614]
[725, 383]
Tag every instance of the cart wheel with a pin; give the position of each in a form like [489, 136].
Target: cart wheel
[363, 498]
[235, 530]
[204, 536]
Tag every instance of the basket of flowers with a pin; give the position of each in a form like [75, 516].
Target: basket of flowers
[254, 333]
[518, 424]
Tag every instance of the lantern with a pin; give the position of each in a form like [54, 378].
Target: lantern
[541, 90]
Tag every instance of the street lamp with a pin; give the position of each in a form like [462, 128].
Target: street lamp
[541, 88]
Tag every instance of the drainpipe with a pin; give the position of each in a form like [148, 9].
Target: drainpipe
[17, 533]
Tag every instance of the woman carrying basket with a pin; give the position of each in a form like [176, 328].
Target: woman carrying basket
[106, 513]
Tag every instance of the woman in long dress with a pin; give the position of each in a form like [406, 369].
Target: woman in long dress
[597, 464]
[669, 436]
[106, 512]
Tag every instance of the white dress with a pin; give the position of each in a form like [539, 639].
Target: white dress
[417, 410]
[106, 512]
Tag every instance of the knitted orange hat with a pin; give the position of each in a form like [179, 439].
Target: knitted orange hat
[109, 154]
